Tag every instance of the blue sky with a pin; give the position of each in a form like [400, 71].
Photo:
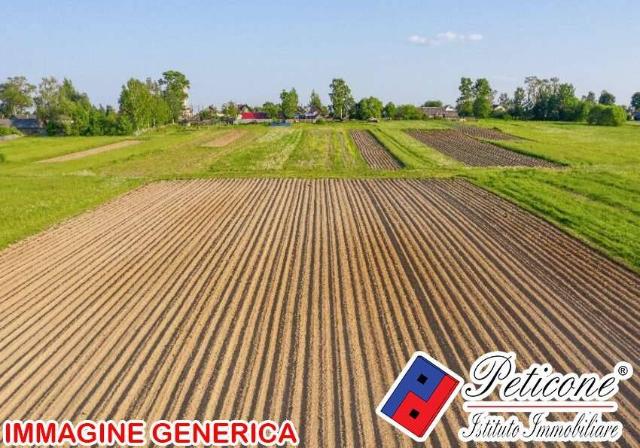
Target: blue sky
[247, 51]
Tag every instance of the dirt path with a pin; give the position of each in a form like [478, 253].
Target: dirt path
[472, 152]
[225, 139]
[91, 152]
[376, 155]
[298, 299]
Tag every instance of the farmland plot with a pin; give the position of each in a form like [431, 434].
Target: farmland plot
[298, 299]
[376, 155]
[91, 152]
[473, 152]
[484, 133]
[225, 139]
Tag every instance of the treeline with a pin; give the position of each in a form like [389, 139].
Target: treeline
[342, 106]
[146, 104]
[63, 110]
[539, 99]
[542, 99]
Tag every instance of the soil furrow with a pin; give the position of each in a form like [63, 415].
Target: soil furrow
[299, 299]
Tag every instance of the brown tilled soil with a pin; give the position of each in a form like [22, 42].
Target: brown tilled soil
[374, 152]
[485, 133]
[91, 152]
[473, 152]
[298, 299]
[225, 139]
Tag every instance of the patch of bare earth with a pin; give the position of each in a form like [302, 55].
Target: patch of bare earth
[473, 152]
[374, 152]
[225, 139]
[298, 299]
[91, 152]
[484, 133]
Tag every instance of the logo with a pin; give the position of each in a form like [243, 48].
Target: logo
[537, 392]
[420, 395]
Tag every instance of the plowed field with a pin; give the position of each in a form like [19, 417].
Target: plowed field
[225, 139]
[470, 151]
[298, 299]
[484, 133]
[374, 152]
[92, 151]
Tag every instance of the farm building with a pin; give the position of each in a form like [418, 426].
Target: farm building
[26, 125]
[310, 115]
[252, 117]
[447, 112]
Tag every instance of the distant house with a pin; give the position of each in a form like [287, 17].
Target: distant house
[26, 125]
[307, 117]
[636, 116]
[252, 117]
[310, 115]
[447, 112]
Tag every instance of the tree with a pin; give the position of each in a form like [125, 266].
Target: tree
[272, 110]
[315, 103]
[389, 110]
[341, 100]
[482, 104]
[408, 112]
[66, 111]
[208, 113]
[590, 97]
[518, 104]
[549, 99]
[230, 109]
[16, 96]
[289, 103]
[607, 115]
[635, 101]
[175, 91]
[369, 108]
[607, 98]
[47, 100]
[432, 103]
[137, 103]
[505, 106]
[464, 104]
[567, 103]
[504, 100]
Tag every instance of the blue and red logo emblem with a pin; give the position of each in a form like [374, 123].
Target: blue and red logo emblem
[420, 395]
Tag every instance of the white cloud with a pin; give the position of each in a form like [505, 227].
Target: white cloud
[415, 39]
[443, 38]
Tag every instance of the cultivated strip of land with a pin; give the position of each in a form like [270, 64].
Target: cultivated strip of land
[91, 152]
[298, 299]
[470, 151]
[484, 133]
[374, 152]
[225, 139]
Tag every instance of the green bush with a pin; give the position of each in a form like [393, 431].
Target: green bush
[8, 131]
[603, 115]
[408, 112]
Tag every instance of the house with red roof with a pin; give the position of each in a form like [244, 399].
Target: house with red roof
[252, 117]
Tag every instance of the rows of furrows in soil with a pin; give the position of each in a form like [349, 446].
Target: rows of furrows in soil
[472, 152]
[374, 152]
[484, 133]
[298, 299]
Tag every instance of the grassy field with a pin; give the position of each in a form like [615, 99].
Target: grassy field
[596, 197]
